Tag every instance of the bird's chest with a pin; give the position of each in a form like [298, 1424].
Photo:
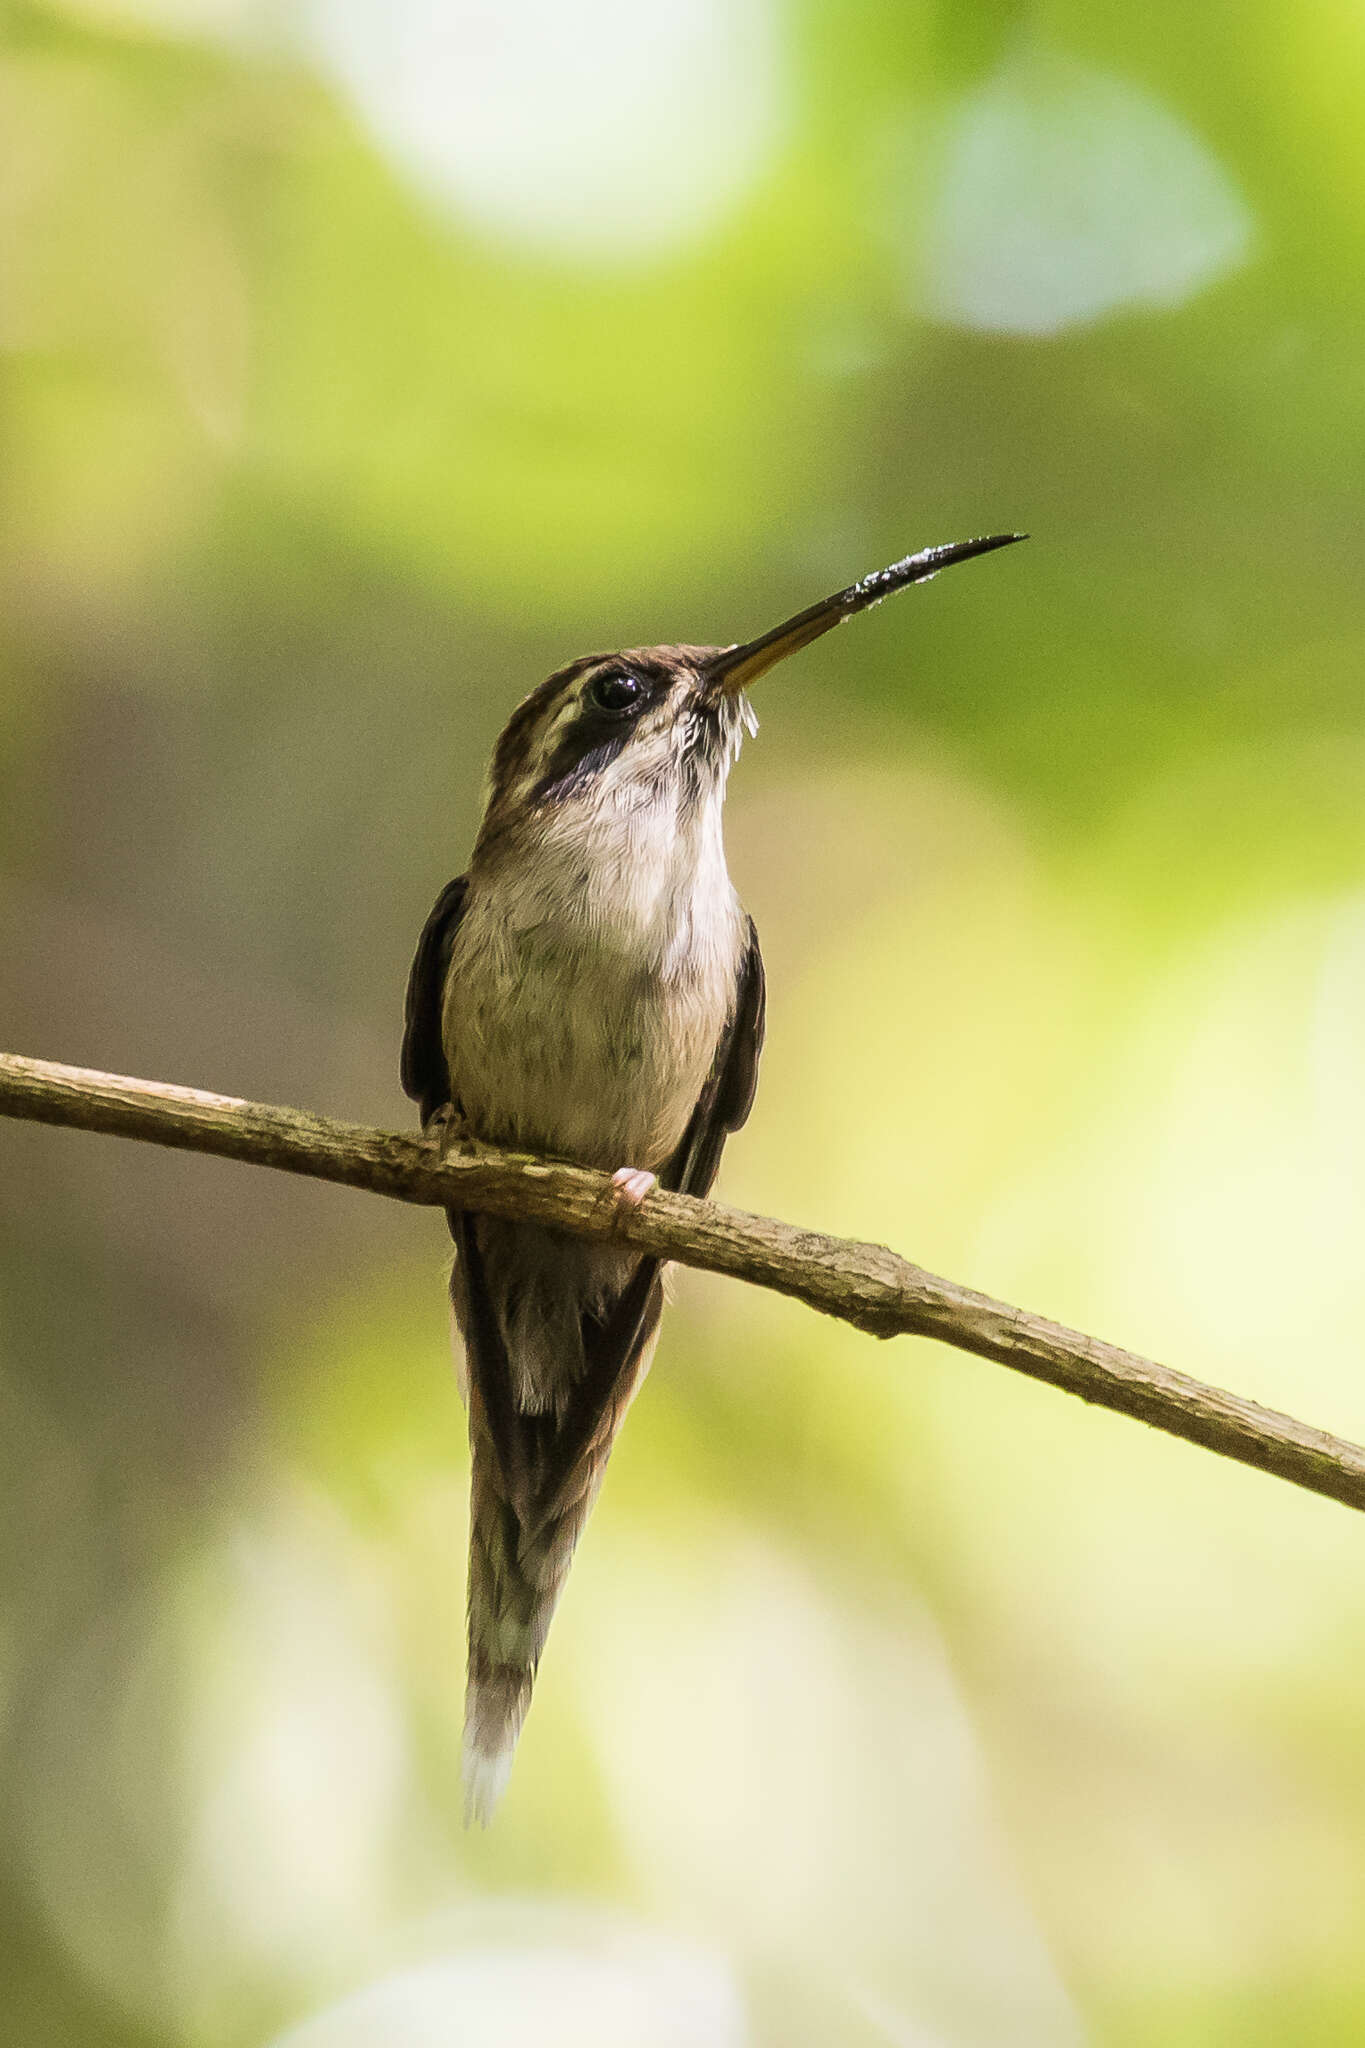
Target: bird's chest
[583, 1021]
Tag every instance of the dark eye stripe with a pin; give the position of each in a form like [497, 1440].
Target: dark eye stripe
[575, 765]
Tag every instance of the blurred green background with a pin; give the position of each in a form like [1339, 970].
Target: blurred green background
[361, 362]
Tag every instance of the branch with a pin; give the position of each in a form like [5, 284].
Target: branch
[862, 1284]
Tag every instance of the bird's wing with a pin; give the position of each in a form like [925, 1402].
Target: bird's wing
[615, 1344]
[426, 1078]
[728, 1096]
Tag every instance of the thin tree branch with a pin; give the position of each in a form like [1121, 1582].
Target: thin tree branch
[862, 1284]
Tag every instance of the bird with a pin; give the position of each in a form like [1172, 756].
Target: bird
[591, 989]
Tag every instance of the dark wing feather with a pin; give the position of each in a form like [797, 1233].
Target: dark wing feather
[513, 1434]
[426, 1077]
[728, 1096]
[613, 1345]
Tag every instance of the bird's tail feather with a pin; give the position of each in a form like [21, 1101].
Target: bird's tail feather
[519, 1557]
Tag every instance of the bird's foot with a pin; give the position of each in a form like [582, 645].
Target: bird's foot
[445, 1131]
[629, 1187]
[448, 1132]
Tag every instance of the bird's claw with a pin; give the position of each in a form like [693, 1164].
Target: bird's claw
[448, 1132]
[629, 1187]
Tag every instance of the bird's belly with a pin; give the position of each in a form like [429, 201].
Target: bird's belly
[577, 1050]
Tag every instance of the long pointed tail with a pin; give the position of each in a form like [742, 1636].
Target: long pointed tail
[516, 1575]
[520, 1551]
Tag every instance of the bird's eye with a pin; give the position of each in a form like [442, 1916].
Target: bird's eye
[615, 689]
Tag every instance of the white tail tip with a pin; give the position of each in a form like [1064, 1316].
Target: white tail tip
[485, 1780]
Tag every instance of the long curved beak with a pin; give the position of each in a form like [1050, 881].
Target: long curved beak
[736, 667]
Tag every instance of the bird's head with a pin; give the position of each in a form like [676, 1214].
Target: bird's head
[662, 725]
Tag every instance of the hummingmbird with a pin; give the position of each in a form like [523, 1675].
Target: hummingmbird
[591, 989]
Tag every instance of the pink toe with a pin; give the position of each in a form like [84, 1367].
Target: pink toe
[631, 1184]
